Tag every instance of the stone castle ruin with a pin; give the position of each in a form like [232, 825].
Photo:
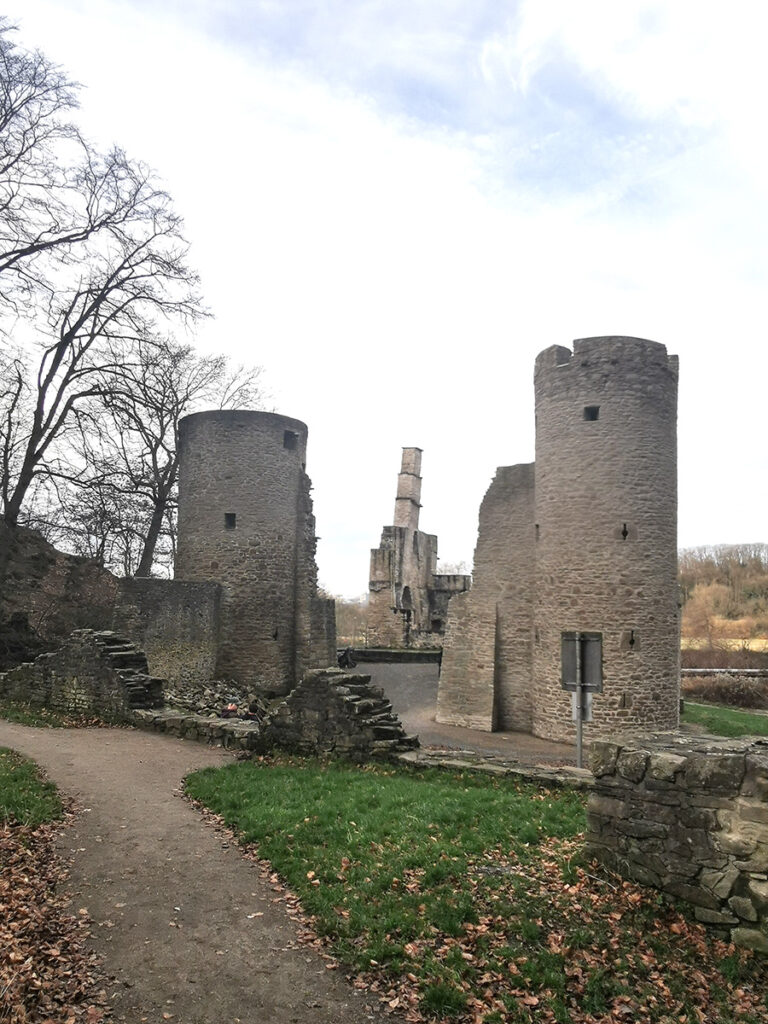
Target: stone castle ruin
[408, 599]
[243, 604]
[584, 540]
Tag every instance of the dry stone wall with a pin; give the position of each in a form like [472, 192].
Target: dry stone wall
[690, 817]
[335, 712]
[329, 712]
[93, 672]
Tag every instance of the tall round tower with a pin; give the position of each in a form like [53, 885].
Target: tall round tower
[245, 521]
[606, 531]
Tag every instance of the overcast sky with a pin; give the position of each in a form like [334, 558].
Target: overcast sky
[396, 204]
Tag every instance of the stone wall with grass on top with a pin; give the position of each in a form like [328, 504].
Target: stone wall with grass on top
[689, 816]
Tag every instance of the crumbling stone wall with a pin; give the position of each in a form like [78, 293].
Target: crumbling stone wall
[98, 672]
[407, 599]
[176, 624]
[336, 712]
[329, 712]
[586, 542]
[690, 817]
[485, 677]
[45, 594]
[246, 523]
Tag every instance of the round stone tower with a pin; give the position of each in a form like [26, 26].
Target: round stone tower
[606, 531]
[245, 521]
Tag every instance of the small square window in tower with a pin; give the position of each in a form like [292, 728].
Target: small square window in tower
[290, 440]
[230, 520]
[592, 412]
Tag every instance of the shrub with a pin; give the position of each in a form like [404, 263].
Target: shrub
[733, 692]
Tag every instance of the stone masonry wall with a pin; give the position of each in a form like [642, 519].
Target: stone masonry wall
[245, 521]
[176, 624]
[606, 528]
[485, 677]
[688, 815]
[45, 594]
[336, 712]
[98, 672]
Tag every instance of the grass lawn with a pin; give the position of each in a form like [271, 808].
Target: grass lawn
[27, 714]
[25, 798]
[725, 721]
[465, 898]
[50, 718]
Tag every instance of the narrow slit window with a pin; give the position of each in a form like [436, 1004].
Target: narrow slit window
[230, 520]
[591, 412]
[290, 440]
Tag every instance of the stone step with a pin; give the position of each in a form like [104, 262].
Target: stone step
[372, 707]
[382, 732]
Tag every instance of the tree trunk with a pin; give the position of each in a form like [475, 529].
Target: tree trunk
[144, 567]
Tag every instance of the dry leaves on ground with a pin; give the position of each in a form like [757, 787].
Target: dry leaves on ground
[47, 976]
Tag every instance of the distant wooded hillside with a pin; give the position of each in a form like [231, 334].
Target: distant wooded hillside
[724, 589]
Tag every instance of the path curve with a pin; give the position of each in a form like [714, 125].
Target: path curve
[170, 899]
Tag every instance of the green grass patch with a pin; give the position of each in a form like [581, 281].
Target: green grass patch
[29, 714]
[467, 898]
[725, 721]
[52, 718]
[25, 797]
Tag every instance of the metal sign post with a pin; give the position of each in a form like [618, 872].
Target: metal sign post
[582, 675]
[579, 715]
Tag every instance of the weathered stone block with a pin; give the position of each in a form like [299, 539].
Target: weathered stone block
[720, 883]
[755, 782]
[643, 874]
[664, 767]
[602, 758]
[750, 938]
[641, 829]
[715, 771]
[759, 893]
[743, 908]
[714, 916]
[631, 764]
[693, 894]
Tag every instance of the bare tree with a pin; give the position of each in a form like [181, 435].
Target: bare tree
[95, 249]
[132, 278]
[55, 191]
[132, 455]
[169, 382]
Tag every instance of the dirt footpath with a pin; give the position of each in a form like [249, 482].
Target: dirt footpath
[186, 924]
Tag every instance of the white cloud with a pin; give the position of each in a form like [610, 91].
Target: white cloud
[397, 274]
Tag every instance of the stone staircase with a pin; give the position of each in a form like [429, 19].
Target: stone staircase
[373, 713]
[337, 712]
[128, 663]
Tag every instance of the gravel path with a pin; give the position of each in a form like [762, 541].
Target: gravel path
[170, 899]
